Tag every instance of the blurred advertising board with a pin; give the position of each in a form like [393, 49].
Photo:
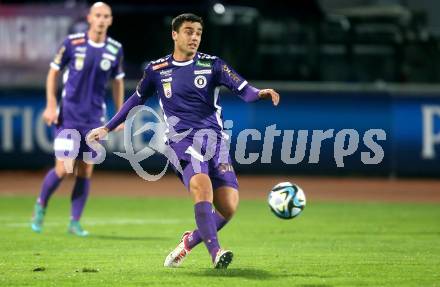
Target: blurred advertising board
[29, 37]
[346, 132]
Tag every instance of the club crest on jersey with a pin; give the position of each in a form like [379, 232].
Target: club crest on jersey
[79, 62]
[200, 81]
[167, 89]
[105, 64]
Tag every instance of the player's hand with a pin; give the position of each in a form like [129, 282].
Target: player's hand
[270, 94]
[97, 134]
[120, 127]
[50, 116]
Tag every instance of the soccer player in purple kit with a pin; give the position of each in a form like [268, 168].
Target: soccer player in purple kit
[90, 59]
[187, 85]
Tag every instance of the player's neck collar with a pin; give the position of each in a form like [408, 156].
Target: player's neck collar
[185, 63]
[96, 45]
[93, 43]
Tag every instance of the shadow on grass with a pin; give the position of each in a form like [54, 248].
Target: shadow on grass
[252, 273]
[247, 273]
[128, 238]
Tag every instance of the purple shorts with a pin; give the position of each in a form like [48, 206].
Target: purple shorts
[70, 142]
[194, 156]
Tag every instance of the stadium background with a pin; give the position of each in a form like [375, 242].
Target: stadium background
[364, 64]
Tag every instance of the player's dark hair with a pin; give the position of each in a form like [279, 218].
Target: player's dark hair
[186, 17]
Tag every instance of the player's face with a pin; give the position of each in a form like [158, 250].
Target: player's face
[100, 18]
[187, 38]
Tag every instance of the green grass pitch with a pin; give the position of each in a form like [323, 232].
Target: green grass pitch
[330, 244]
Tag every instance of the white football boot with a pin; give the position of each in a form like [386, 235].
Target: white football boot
[223, 259]
[178, 255]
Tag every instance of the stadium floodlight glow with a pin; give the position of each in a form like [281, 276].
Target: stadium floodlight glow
[219, 8]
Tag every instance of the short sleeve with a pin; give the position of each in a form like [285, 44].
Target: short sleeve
[227, 77]
[118, 69]
[62, 57]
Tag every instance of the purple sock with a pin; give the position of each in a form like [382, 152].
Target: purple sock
[206, 226]
[79, 196]
[195, 238]
[50, 184]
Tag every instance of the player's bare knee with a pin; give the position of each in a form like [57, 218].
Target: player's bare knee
[201, 193]
[201, 188]
[60, 170]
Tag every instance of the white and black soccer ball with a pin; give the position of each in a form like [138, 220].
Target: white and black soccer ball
[286, 200]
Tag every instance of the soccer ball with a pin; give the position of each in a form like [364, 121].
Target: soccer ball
[286, 200]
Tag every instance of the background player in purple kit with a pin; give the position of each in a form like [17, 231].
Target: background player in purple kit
[187, 83]
[90, 59]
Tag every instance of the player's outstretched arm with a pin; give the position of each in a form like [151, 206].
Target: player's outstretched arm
[229, 78]
[118, 97]
[270, 94]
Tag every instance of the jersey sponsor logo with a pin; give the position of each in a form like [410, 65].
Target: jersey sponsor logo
[200, 81]
[59, 55]
[79, 61]
[167, 90]
[155, 67]
[105, 64]
[78, 41]
[205, 64]
[166, 73]
[112, 49]
[202, 72]
[109, 56]
[81, 49]
[231, 74]
[167, 80]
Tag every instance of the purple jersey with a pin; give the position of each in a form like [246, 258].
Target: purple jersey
[190, 90]
[89, 66]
